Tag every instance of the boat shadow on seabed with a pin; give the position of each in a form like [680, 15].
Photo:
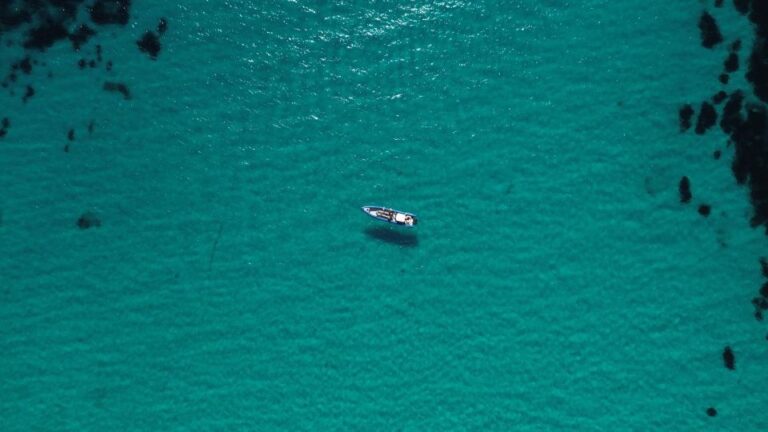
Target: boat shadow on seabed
[393, 236]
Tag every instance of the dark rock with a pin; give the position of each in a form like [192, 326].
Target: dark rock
[88, 220]
[5, 123]
[710, 33]
[13, 17]
[731, 119]
[685, 190]
[718, 3]
[719, 97]
[729, 359]
[724, 78]
[711, 412]
[80, 36]
[759, 16]
[742, 6]
[685, 113]
[731, 63]
[704, 210]
[98, 52]
[66, 8]
[760, 303]
[90, 127]
[45, 35]
[751, 158]
[28, 94]
[117, 87]
[81, 63]
[25, 65]
[109, 65]
[716, 154]
[162, 26]
[71, 135]
[707, 118]
[92, 63]
[736, 45]
[764, 290]
[764, 266]
[110, 11]
[757, 70]
[150, 44]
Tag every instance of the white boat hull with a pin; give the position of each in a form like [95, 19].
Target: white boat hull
[390, 215]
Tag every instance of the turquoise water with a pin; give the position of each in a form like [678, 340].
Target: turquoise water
[554, 282]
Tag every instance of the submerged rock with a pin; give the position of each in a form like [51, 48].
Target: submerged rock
[4, 125]
[764, 290]
[707, 118]
[751, 159]
[150, 44]
[117, 87]
[685, 114]
[705, 210]
[757, 70]
[28, 93]
[719, 97]
[684, 187]
[110, 12]
[81, 36]
[711, 412]
[710, 33]
[45, 35]
[731, 63]
[742, 6]
[88, 220]
[729, 359]
[760, 303]
[25, 65]
[731, 119]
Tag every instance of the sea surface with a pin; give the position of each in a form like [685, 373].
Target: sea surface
[198, 261]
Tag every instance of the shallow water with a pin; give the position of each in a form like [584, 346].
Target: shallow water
[554, 282]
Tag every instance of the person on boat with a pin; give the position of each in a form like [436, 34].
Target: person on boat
[389, 214]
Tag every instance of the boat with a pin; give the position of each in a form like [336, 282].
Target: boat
[396, 217]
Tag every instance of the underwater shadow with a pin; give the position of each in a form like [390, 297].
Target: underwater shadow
[392, 236]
